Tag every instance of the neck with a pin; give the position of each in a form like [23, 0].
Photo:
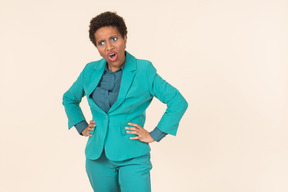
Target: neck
[114, 68]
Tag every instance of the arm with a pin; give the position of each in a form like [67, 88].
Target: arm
[176, 107]
[71, 101]
[166, 93]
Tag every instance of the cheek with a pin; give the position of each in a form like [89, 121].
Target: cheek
[122, 46]
[101, 52]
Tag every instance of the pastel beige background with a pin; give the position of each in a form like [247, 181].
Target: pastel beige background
[227, 57]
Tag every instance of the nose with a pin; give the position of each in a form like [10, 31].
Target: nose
[109, 46]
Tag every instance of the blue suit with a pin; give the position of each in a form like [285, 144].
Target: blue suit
[110, 145]
[139, 84]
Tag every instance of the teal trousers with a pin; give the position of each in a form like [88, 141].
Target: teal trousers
[129, 175]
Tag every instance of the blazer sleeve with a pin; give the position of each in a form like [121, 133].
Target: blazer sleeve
[166, 93]
[72, 99]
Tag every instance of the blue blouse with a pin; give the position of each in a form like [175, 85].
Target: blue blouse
[106, 94]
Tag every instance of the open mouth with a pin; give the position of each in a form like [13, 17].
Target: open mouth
[112, 56]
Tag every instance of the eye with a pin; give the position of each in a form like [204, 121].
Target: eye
[101, 43]
[114, 38]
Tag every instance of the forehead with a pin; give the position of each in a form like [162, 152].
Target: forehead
[106, 32]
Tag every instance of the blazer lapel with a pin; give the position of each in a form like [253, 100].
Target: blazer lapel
[126, 80]
[96, 76]
[95, 79]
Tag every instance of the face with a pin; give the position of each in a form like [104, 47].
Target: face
[111, 46]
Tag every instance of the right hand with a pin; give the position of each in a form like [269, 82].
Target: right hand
[90, 127]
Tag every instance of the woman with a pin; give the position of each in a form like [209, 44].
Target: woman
[119, 88]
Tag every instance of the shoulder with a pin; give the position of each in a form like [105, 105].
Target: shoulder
[94, 65]
[144, 65]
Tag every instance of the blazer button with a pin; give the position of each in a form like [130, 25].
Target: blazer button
[106, 117]
[123, 130]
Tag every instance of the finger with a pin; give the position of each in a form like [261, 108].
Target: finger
[134, 124]
[91, 121]
[134, 138]
[131, 128]
[132, 132]
[90, 128]
[87, 134]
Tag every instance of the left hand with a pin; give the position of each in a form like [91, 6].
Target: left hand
[143, 134]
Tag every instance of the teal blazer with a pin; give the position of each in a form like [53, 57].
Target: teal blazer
[139, 84]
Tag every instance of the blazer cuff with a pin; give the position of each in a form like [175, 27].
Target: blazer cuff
[157, 134]
[81, 126]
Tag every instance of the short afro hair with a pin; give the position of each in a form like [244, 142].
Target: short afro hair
[106, 19]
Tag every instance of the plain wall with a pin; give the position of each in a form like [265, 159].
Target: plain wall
[228, 58]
